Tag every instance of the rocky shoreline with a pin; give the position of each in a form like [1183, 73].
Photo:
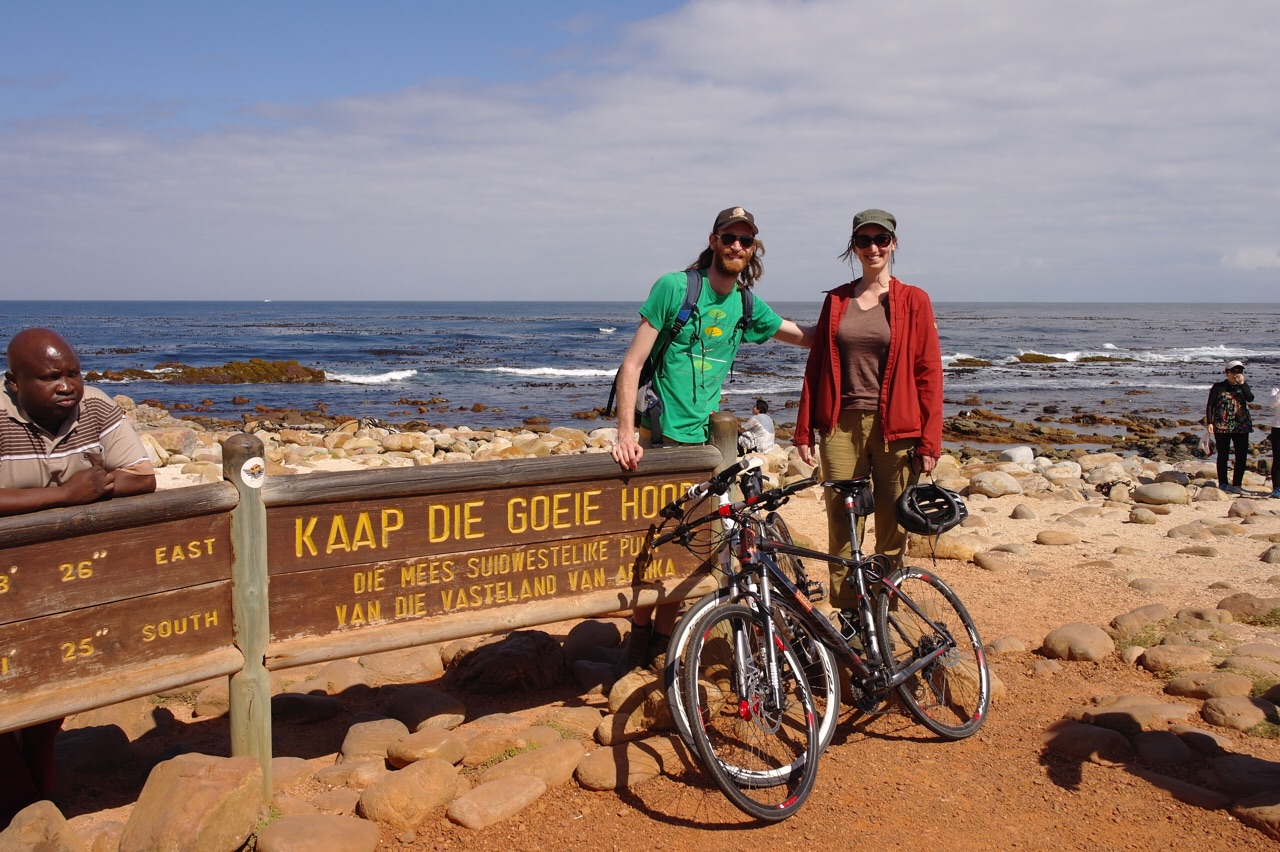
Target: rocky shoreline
[186, 447]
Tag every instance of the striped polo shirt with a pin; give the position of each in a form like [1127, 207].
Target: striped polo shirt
[30, 457]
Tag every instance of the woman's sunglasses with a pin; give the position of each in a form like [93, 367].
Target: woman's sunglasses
[863, 241]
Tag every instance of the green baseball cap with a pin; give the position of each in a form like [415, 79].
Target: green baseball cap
[883, 218]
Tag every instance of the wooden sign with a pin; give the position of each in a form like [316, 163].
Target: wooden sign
[92, 641]
[91, 604]
[350, 565]
[57, 576]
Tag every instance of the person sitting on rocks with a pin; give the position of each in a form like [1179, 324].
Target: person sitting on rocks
[757, 434]
[61, 444]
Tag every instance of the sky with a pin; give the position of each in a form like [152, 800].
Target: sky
[1125, 151]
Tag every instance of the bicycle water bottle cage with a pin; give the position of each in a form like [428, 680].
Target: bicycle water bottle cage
[864, 501]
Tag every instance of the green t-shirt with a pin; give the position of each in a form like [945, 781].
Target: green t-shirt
[699, 358]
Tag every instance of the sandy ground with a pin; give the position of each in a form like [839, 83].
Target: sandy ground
[885, 783]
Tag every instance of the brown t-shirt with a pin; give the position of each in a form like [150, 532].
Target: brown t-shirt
[863, 340]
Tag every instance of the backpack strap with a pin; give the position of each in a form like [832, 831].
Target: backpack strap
[652, 364]
[748, 308]
[692, 290]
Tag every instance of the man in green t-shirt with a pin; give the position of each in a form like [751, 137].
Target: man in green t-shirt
[694, 367]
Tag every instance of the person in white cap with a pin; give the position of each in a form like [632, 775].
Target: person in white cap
[1227, 418]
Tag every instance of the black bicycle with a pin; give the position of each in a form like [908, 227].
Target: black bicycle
[744, 685]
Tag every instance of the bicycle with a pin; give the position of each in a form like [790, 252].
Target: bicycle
[749, 689]
[818, 660]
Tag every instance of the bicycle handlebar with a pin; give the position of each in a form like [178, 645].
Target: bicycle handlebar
[771, 499]
[717, 484]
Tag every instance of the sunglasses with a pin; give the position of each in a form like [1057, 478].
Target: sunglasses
[863, 241]
[730, 239]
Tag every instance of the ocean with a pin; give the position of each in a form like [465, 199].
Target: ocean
[494, 364]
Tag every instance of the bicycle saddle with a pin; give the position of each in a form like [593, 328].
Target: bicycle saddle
[848, 486]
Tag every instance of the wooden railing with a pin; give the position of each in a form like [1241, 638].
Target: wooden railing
[116, 600]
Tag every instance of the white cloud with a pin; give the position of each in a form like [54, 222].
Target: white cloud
[1252, 258]
[1026, 148]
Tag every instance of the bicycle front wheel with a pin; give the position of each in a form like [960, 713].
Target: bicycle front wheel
[757, 739]
[951, 694]
[677, 652]
[818, 660]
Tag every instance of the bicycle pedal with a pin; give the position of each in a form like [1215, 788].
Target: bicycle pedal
[813, 590]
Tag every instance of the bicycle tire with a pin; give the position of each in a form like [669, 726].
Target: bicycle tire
[952, 695]
[819, 662]
[763, 758]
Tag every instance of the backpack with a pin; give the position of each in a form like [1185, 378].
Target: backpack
[648, 402]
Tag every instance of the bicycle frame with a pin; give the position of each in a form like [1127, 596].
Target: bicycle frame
[754, 555]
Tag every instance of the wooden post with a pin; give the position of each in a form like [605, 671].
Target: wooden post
[724, 437]
[245, 467]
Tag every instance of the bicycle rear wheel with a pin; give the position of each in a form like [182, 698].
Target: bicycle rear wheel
[760, 749]
[952, 694]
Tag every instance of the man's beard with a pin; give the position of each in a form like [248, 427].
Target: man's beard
[732, 266]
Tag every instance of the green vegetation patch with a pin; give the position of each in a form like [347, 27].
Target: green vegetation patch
[1271, 619]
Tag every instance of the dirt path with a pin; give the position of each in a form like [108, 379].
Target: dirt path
[884, 783]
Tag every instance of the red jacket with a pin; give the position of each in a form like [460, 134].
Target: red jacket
[910, 398]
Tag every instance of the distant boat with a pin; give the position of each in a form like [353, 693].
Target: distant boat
[608, 330]
[266, 300]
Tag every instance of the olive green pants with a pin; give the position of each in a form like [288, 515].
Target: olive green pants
[856, 447]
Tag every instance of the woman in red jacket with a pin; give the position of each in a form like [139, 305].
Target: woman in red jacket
[872, 390]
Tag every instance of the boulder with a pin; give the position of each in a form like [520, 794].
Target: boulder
[496, 800]
[319, 833]
[195, 803]
[405, 798]
[40, 827]
[1078, 641]
[1162, 494]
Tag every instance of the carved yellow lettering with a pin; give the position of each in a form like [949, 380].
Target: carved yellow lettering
[160, 558]
[437, 523]
[392, 520]
[341, 610]
[561, 507]
[589, 509]
[446, 598]
[4, 666]
[302, 537]
[517, 515]
[176, 554]
[364, 533]
[338, 538]
[4, 584]
[72, 651]
[470, 518]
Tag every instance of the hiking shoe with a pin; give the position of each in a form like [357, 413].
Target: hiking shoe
[657, 656]
[635, 651]
[1232, 489]
[1276, 493]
